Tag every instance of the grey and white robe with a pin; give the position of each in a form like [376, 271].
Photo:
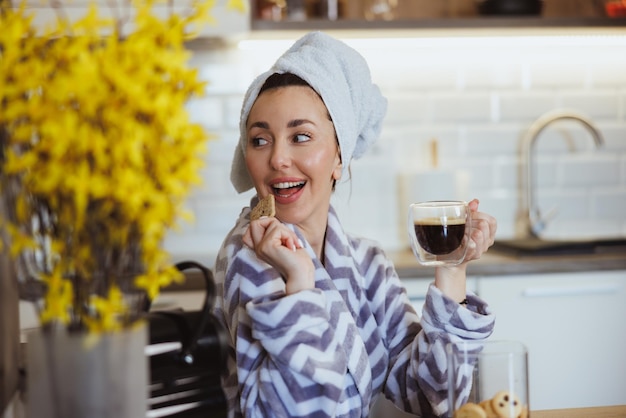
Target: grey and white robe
[328, 351]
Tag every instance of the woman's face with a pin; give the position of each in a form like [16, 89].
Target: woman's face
[292, 153]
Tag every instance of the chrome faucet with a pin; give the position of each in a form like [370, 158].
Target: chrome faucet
[530, 221]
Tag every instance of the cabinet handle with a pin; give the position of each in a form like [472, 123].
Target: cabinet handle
[597, 289]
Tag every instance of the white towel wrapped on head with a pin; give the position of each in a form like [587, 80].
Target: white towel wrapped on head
[341, 76]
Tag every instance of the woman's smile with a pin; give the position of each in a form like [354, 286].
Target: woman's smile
[284, 191]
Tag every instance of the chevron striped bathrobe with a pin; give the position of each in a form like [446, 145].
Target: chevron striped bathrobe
[328, 351]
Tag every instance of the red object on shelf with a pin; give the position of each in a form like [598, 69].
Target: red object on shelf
[615, 8]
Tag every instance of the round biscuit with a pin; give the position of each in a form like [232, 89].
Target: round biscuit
[506, 404]
[470, 410]
[524, 413]
[486, 405]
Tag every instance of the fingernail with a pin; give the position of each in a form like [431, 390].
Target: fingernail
[300, 243]
[293, 247]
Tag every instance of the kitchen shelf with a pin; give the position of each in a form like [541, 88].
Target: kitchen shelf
[482, 22]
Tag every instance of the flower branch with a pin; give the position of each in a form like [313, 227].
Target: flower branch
[97, 157]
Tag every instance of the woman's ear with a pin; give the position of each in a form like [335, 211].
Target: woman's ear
[338, 169]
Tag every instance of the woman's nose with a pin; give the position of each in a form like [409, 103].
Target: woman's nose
[280, 156]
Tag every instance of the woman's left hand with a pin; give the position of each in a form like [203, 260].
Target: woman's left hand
[483, 232]
[452, 280]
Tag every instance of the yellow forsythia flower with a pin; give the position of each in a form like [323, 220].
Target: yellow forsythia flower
[239, 5]
[58, 300]
[108, 311]
[98, 153]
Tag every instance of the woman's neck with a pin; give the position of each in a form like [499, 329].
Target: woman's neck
[315, 235]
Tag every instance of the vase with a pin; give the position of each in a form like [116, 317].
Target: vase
[9, 325]
[9, 331]
[72, 375]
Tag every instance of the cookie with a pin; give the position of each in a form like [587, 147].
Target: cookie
[524, 413]
[506, 405]
[486, 405]
[265, 207]
[470, 410]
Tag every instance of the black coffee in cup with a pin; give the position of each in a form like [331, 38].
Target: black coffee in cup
[440, 237]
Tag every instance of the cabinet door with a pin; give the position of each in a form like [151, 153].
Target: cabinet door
[416, 289]
[573, 326]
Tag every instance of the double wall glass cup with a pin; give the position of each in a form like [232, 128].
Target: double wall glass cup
[439, 232]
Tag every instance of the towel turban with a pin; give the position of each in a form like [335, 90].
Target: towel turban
[341, 76]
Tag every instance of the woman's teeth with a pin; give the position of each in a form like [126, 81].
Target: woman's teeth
[288, 184]
[285, 187]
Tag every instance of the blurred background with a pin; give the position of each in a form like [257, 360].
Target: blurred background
[462, 89]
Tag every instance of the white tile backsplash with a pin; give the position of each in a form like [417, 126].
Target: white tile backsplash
[557, 68]
[459, 107]
[609, 204]
[598, 104]
[207, 111]
[477, 101]
[485, 140]
[525, 105]
[407, 108]
[589, 170]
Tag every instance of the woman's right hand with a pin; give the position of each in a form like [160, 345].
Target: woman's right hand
[280, 247]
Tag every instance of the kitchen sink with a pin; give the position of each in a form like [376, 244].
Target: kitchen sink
[544, 247]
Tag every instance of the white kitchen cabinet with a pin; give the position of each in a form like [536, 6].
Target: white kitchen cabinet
[573, 327]
[417, 288]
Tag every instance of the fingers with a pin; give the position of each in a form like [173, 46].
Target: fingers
[247, 238]
[279, 246]
[483, 231]
[270, 231]
[473, 205]
[256, 229]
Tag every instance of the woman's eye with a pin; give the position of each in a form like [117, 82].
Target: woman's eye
[301, 138]
[258, 142]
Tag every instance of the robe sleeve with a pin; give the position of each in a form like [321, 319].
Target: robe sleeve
[417, 373]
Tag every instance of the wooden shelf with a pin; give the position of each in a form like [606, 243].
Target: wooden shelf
[482, 22]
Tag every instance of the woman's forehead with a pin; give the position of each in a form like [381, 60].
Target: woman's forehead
[287, 99]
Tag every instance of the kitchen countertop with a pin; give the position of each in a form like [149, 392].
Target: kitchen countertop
[16, 409]
[493, 263]
[617, 411]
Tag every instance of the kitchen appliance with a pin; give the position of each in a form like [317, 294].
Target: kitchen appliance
[510, 7]
[187, 354]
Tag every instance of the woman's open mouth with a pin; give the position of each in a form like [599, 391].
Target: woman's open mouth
[287, 188]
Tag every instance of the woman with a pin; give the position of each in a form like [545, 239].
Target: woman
[319, 321]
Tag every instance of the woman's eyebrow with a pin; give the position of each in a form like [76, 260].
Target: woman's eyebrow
[260, 124]
[298, 122]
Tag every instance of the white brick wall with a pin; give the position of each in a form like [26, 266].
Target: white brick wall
[477, 98]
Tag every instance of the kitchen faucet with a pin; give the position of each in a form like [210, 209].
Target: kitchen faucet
[530, 220]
